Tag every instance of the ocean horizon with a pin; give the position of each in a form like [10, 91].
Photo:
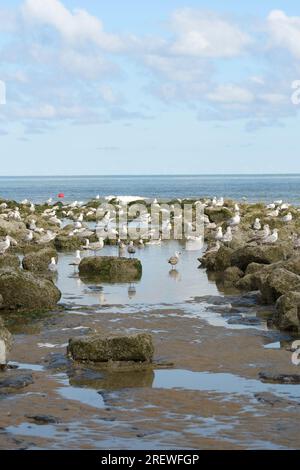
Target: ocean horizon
[252, 187]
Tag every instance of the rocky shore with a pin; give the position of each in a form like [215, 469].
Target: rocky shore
[252, 261]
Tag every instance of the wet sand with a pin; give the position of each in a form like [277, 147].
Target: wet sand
[211, 398]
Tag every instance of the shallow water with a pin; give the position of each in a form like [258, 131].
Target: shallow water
[159, 283]
[211, 397]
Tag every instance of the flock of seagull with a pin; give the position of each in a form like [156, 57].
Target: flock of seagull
[78, 213]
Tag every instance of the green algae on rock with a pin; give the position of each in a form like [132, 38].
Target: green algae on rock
[39, 260]
[99, 348]
[25, 291]
[287, 316]
[111, 268]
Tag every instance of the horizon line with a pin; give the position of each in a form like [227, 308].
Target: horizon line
[161, 175]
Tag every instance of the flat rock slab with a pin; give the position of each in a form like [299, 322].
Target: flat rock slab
[279, 378]
[103, 349]
[111, 268]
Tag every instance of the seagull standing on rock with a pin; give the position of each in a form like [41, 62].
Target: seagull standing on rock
[52, 266]
[269, 240]
[4, 246]
[227, 237]
[261, 234]
[287, 218]
[236, 220]
[257, 224]
[219, 234]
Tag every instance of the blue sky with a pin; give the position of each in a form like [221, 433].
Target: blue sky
[131, 87]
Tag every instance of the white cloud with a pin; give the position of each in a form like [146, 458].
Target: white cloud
[285, 31]
[205, 34]
[179, 68]
[108, 95]
[88, 65]
[229, 93]
[77, 27]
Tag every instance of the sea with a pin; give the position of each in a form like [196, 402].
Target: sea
[252, 188]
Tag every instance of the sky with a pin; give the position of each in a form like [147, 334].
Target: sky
[163, 87]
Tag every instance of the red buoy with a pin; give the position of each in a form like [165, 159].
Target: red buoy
[61, 195]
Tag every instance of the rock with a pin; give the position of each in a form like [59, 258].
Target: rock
[9, 261]
[111, 268]
[13, 380]
[247, 283]
[231, 276]
[66, 243]
[218, 214]
[23, 290]
[223, 258]
[43, 419]
[247, 321]
[254, 268]
[6, 341]
[98, 348]
[287, 316]
[39, 261]
[275, 284]
[13, 228]
[258, 254]
[272, 377]
[208, 261]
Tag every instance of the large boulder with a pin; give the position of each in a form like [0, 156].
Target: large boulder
[277, 283]
[287, 316]
[111, 268]
[24, 291]
[218, 214]
[13, 228]
[5, 343]
[223, 258]
[39, 261]
[259, 254]
[66, 243]
[99, 348]
[231, 276]
[9, 261]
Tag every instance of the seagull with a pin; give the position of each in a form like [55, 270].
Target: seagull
[219, 234]
[287, 218]
[274, 213]
[257, 224]
[270, 239]
[131, 249]
[96, 246]
[174, 260]
[261, 234]
[29, 236]
[77, 259]
[4, 245]
[227, 237]
[52, 266]
[236, 220]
